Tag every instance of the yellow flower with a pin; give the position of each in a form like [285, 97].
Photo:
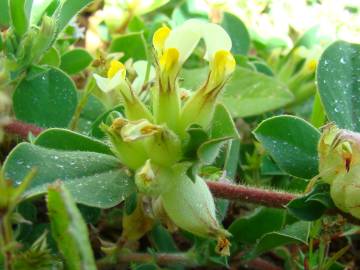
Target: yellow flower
[159, 38]
[115, 67]
[116, 79]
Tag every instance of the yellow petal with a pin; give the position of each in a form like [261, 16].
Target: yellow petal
[115, 67]
[312, 65]
[169, 59]
[222, 66]
[160, 36]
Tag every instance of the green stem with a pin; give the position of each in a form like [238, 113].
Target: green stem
[82, 103]
[6, 240]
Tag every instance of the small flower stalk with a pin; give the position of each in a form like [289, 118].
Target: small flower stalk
[153, 144]
[339, 152]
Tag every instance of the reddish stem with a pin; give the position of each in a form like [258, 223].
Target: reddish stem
[261, 196]
[220, 189]
[22, 129]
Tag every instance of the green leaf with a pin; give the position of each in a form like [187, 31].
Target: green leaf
[67, 10]
[311, 38]
[232, 158]
[263, 68]
[47, 99]
[187, 10]
[20, 15]
[69, 229]
[50, 58]
[222, 124]
[161, 239]
[4, 14]
[210, 149]
[251, 93]
[250, 228]
[132, 45]
[95, 129]
[197, 136]
[269, 167]
[39, 8]
[94, 179]
[76, 60]
[155, 4]
[63, 139]
[90, 113]
[311, 206]
[222, 130]
[292, 143]
[339, 85]
[238, 33]
[191, 82]
[297, 232]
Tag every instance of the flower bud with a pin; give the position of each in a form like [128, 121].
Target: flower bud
[345, 191]
[191, 206]
[152, 179]
[131, 154]
[352, 197]
[161, 144]
[339, 152]
[161, 215]
[137, 130]
[199, 109]
[338, 191]
[335, 154]
[166, 100]
[164, 147]
[44, 39]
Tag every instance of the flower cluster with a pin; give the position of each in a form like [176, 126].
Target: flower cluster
[339, 152]
[152, 142]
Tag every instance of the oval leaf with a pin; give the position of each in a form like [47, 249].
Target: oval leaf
[48, 99]
[258, 223]
[132, 45]
[238, 33]
[297, 232]
[250, 93]
[292, 143]
[339, 84]
[75, 61]
[94, 179]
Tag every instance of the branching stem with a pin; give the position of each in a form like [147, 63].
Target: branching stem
[220, 189]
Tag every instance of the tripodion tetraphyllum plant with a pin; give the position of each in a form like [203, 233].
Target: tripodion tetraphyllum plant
[151, 141]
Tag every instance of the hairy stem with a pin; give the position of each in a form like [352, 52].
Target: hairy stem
[271, 198]
[22, 129]
[221, 189]
[159, 258]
